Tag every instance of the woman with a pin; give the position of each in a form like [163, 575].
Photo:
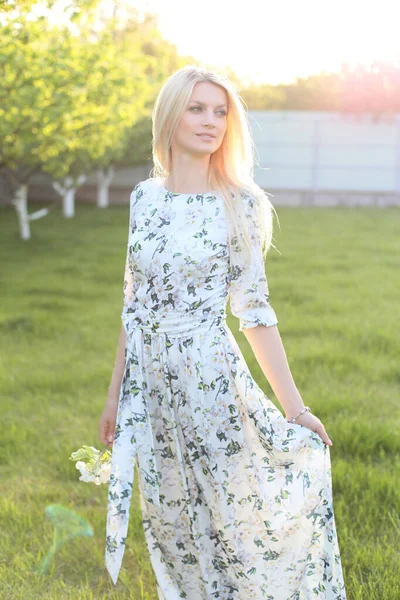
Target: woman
[236, 499]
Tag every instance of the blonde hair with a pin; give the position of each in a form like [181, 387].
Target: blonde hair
[231, 166]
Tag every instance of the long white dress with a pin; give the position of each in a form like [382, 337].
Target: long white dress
[236, 502]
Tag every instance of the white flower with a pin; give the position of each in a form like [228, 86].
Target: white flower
[105, 472]
[97, 468]
[86, 476]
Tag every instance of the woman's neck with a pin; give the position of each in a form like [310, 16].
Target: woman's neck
[186, 186]
[188, 176]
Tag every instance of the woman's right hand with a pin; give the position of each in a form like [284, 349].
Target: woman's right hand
[107, 422]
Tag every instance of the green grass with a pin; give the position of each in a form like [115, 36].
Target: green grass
[335, 289]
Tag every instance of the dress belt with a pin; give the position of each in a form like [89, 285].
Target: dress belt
[137, 436]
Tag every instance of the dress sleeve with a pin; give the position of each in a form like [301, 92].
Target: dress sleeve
[128, 287]
[249, 293]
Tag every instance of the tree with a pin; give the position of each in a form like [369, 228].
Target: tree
[132, 37]
[66, 101]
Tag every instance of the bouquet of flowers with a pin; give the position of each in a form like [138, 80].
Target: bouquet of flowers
[95, 466]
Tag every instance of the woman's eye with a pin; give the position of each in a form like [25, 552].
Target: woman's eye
[221, 112]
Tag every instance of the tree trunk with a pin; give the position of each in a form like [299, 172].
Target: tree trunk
[104, 178]
[69, 203]
[67, 192]
[21, 206]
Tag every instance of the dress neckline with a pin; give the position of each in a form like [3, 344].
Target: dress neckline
[160, 182]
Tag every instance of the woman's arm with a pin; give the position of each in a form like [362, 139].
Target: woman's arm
[249, 301]
[268, 349]
[118, 372]
[109, 415]
[108, 418]
[128, 299]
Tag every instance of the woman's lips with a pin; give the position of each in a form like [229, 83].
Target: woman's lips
[206, 136]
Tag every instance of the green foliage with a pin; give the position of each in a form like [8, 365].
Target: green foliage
[366, 88]
[70, 98]
[91, 455]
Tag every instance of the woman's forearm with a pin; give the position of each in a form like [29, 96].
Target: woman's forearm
[116, 379]
[268, 349]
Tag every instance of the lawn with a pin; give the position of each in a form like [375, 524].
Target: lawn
[335, 289]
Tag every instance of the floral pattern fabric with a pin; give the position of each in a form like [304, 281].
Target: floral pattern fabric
[236, 501]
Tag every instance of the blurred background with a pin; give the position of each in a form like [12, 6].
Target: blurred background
[78, 81]
[321, 82]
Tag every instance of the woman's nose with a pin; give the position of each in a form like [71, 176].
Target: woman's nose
[209, 119]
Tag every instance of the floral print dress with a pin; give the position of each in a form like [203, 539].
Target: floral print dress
[236, 502]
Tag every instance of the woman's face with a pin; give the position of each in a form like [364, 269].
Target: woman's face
[203, 124]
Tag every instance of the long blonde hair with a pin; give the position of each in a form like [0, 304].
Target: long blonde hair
[231, 166]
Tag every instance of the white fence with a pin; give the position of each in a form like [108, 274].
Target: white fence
[313, 155]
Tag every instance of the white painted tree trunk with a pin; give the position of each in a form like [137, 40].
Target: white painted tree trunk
[104, 178]
[69, 203]
[21, 205]
[67, 191]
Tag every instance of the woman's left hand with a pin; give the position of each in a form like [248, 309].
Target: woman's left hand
[312, 422]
